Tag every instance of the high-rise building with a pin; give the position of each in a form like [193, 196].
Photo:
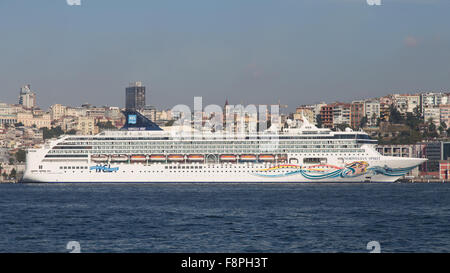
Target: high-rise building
[326, 115]
[357, 112]
[135, 97]
[27, 98]
[341, 114]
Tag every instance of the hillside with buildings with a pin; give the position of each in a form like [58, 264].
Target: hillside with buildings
[405, 125]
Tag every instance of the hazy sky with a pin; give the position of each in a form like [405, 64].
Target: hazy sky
[250, 51]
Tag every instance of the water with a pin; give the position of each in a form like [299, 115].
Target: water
[225, 218]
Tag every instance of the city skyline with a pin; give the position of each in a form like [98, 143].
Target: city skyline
[252, 52]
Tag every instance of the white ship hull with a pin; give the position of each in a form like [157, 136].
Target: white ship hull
[220, 173]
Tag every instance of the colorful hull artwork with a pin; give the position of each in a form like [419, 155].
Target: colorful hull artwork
[318, 172]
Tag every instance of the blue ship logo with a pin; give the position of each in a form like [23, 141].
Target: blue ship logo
[132, 119]
[105, 169]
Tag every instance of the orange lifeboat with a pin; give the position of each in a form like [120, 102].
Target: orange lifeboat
[138, 158]
[176, 158]
[248, 157]
[157, 158]
[228, 158]
[267, 158]
[196, 158]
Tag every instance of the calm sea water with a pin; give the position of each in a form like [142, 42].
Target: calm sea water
[225, 218]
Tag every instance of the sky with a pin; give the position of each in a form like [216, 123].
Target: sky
[246, 51]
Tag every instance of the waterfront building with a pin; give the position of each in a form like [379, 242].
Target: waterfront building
[10, 109]
[86, 126]
[135, 97]
[432, 99]
[96, 112]
[316, 111]
[444, 169]
[433, 152]
[149, 112]
[433, 114]
[76, 111]
[305, 111]
[372, 111]
[326, 116]
[341, 114]
[445, 114]
[57, 111]
[40, 121]
[357, 112]
[68, 123]
[406, 103]
[113, 113]
[8, 119]
[385, 107]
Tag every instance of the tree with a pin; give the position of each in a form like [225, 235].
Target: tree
[417, 112]
[71, 132]
[413, 121]
[373, 119]
[11, 161]
[430, 131]
[21, 155]
[52, 133]
[106, 125]
[395, 115]
[170, 122]
[363, 122]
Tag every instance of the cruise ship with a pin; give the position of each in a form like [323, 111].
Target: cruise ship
[142, 152]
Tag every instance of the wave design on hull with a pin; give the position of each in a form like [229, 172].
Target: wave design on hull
[318, 172]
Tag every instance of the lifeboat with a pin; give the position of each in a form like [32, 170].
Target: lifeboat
[248, 157]
[228, 158]
[138, 158]
[196, 158]
[267, 158]
[99, 158]
[119, 158]
[176, 158]
[157, 158]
